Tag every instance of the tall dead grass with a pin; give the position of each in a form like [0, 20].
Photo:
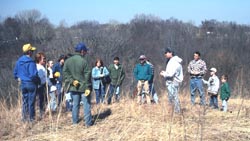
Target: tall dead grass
[127, 120]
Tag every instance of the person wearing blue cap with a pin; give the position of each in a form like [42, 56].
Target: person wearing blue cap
[77, 76]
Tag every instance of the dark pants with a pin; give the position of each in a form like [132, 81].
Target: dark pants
[41, 95]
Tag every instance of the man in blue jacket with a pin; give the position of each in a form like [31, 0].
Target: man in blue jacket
[143, 74]
[26, 72]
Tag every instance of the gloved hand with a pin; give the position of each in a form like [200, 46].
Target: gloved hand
[57, 74]
[75, 83]
[87, 92]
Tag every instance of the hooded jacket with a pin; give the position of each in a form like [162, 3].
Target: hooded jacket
[26, 70]
[174, 70]
[213, 84]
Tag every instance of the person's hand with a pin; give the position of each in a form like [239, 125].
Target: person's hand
[87, 92]
[18, 79]
[75, 83]
[101, 75]
[57, 74]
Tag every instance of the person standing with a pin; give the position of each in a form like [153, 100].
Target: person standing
[117, 75]
[52, 86]
[40, 62]
[143, 74]
[98, 72]
[213, 88]
[224, 92]
[197, 69]
[76, 74]
[25, 71]
[58, 67]
[173, 76]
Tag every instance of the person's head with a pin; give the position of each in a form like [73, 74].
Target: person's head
[50, 63]
[116, 60]
[142, 59]
[169, 53]
[213, 71]
[40, 58]
[62, 59]
[224, 78]
[81, 48]
[197, 55]
[28, 49]
[99, 63]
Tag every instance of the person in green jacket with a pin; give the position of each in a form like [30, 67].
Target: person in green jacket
[117, 75]
[77, 78]
[143, 74]
[224, 92]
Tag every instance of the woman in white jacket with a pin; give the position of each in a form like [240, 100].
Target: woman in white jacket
[173, 76]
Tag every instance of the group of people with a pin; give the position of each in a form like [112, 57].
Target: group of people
[72, 75]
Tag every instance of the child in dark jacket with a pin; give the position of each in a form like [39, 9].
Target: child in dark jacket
[224, 92]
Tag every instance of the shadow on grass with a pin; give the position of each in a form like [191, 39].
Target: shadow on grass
[102, 115]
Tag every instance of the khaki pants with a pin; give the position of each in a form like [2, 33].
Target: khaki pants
[143, 85]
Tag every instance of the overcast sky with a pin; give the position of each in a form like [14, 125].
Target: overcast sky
[103, 11]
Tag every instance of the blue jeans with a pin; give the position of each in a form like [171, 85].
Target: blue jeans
[173, 97]
[224, 105]
[214, 101]
[29, 99]
[76, 96]
[114, 90]
[59, 93]
[197, 84]
[100, 94]
[41, 95]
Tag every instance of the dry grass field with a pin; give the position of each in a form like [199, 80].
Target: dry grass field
[127, 120]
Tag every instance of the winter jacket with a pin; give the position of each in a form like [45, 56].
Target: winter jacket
[77, 68]
[224, 91]
[174, 70]
[213, 84]
[116, 75]
[26, 70]
[96, 72]
[58, 68]
[143, 72]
